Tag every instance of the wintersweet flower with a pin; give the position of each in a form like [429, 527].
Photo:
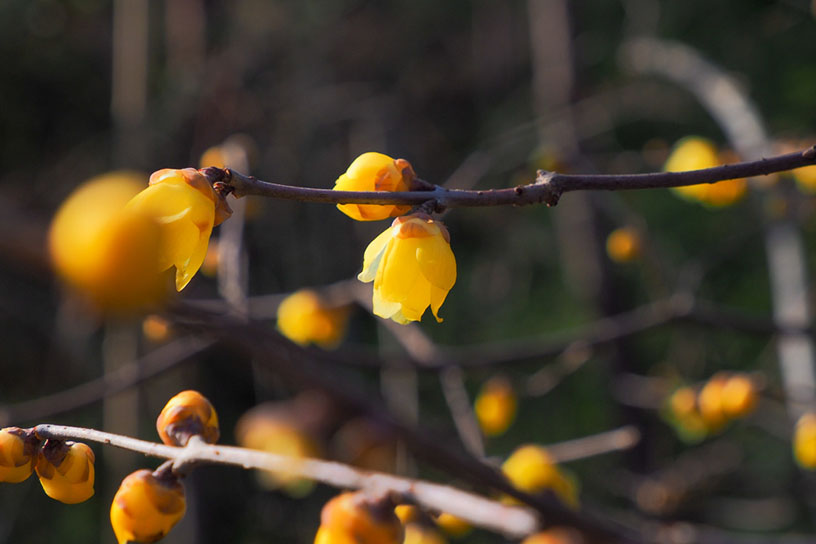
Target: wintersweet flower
[66, 471]
[495, 406]
[16, 455]
[351, 518]
[186, 208]
[804, 441]
[375, 172]
[146, 507]
[186, 414]
[696, 153]
[532, 469]
[304, 317]
[412, 267]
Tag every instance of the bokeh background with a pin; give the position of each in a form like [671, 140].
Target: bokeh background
[476, 95]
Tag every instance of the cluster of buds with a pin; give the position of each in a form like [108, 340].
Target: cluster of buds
[532, 469]
[149, 504]
[722, 399]
[411, 263]
[65, 468]
[696, 153]
[495, 406]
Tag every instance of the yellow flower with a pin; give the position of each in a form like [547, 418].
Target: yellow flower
[452, 525]
[303, 317]
[739, 396]
[66, 471]
[146, 507]
[16, 455]
[710, 402]
[531, 468]
[495, 406]
[805, 178]
[105, 252]
[412, 266]
[623, 245]
[695, 153]
[351, 518]
[556, 535]
[421, 533]
[186, 414]
[186, 207]
[804, 441]
[375, 172]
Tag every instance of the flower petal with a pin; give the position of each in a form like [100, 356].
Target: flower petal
[373, 256]
[437, 262]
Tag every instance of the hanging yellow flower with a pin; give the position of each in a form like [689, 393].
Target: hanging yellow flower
[146, 507]
[186, 208]
[375, 172]
[187, 414]
[16, 455]
[303, 317]
[66, 471]
[351, 518]
[412, 267]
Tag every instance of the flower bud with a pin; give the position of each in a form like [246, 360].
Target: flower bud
[739, 396]
[17, 455]
[710, 401]
[355, 518]
[187, 414]
[623, 245]
[146, 506]
[66, 471]
[375, 172]
[303, 317]
[495, 406]
[531, 469]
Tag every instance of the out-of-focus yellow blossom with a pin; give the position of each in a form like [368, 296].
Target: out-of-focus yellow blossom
[710, 402]
[186, 208]
[186, 414]
[531, 468]
[16, 455]
[495, 406]
[804, 441]
[556, 535]
[146, 507]
[682, 413]
[805, 178]
[375, 172]
[696, 153]
[623, 245]
[303, 317]
[105, 252]
[452, 525]
[412, 266]
[268, 430]
[351, 518]
[155, 328]
[422, 533]
[739, 396]
[66, 471]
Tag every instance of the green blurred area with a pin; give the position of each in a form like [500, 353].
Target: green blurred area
[448, 86]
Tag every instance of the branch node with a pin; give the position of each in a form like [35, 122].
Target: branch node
[551, 193]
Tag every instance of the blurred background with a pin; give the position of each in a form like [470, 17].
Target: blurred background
[475, 95]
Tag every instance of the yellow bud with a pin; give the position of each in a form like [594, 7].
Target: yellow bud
[623, 245]
[710, 401]
[185, 207]
[105, 252]
[495, 406]
[739, 397]
[412, 267]
[354, 518]
[452, 525]
[804, 441]
[66, 471]
[146, 507]
[531, 469]
[375, 172]
[188, 413]
[16, 455]
[303, 317]
[695, 153]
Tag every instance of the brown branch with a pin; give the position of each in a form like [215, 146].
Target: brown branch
[513, 521]
[547, 189]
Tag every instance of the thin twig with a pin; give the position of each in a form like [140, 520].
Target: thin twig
[513, 521]
[619, 439]
[547, 189]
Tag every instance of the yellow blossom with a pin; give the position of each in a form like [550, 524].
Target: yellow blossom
[710, 402]
[375, 172]
[422, 533]
[412, 266]
[804, 441]
[623, 245]
[16, 455]
[186, 207]
[739, 396]
[805, 178]
[105, 252]
[532, 469]
[66, 471]
[351, 518]
[495, 406]
[186, 414]
[696, 153]
[303, 317]
[453, 525]
[146, 507]
[555, 535]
